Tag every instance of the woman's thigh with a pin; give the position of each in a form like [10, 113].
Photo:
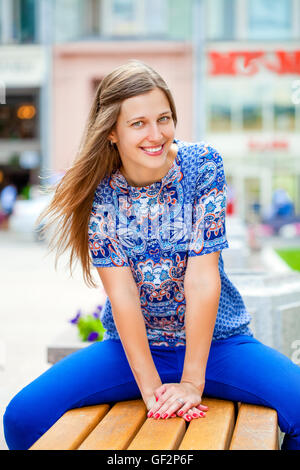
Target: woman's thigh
[99, 373]
[63, 386]
[241, 368]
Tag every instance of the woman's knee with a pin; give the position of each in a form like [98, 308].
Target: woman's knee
[21, 422]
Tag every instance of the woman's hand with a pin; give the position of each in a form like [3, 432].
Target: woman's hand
[150, 401]
[167, 404]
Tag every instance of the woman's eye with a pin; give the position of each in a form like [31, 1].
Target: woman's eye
[165, 117]
[135, 123]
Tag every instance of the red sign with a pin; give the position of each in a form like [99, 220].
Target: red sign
[251, 62]
[271, 145]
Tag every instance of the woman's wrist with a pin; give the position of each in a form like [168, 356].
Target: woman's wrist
[194, 374]
[198, 384]
[147, 391]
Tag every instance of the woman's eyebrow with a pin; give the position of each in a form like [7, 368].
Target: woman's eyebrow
[143, 117]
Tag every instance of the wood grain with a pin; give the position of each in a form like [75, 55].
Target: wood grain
[256, 429]
[71, 429]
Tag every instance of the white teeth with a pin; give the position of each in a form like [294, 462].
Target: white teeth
[156, 149]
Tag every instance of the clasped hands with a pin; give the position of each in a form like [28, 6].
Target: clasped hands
[165, 401]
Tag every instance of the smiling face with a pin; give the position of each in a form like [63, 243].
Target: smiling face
[144, 135]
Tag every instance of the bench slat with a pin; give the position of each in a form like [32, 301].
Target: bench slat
[118, 428]
[214, 431]
[159, 434]
[71, 429]
[256, 429]
[125, 426]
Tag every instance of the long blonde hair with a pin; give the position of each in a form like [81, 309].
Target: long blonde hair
[69, 210]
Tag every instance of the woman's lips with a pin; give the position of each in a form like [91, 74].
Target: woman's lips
[153, 154]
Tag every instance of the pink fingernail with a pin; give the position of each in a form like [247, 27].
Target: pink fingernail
[157, 415]
[188, 418]
[164, 415]
[150, 414]
[202, 414]
[195, 415]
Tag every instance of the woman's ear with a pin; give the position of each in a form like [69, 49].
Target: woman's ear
[112, 137]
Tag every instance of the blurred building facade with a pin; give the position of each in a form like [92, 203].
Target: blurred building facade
[22, 74]
[253, 98]
[245, 95]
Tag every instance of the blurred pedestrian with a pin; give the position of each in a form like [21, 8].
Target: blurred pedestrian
[8, 198]
[282, 204]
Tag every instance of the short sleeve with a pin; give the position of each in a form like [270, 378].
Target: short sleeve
[208, 232]
[104, 244]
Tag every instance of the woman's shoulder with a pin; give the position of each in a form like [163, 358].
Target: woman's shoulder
[193, 154]
[199, 148]
[201, 165]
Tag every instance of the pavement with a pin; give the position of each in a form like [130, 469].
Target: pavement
[37, 302]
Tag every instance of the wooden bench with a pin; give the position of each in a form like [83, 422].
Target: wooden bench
[125, 426]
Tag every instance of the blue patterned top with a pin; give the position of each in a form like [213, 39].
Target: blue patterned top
[154, 229]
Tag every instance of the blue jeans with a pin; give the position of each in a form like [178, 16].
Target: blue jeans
[239, 368]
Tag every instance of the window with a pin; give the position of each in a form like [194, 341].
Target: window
[27, 21]
[156, 17]
[91, 18]
[220, 118]
[252, 116]
[284, 110]
[284, 117]
[134, 17]
[68, 19]
[254, 103]
[126, 15]
[18, 21]
[18, 117]
[179, 16]
[124, 10]
[121, 17]
[270, 19]
[76, 19]
[219, 107]
[220, 19]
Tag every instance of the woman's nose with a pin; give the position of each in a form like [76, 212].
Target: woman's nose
[154, 133]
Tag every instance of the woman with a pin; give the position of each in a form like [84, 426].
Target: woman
[148, 211]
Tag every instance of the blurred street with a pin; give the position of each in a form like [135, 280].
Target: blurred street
[36, 304]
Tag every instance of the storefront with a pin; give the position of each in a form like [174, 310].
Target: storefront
[253, 118]
[22, 76]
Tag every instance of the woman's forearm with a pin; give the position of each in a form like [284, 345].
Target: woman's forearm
[202, 301]
[130, 324]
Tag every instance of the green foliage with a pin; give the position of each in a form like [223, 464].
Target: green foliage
[291, 256]
[89, 326]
